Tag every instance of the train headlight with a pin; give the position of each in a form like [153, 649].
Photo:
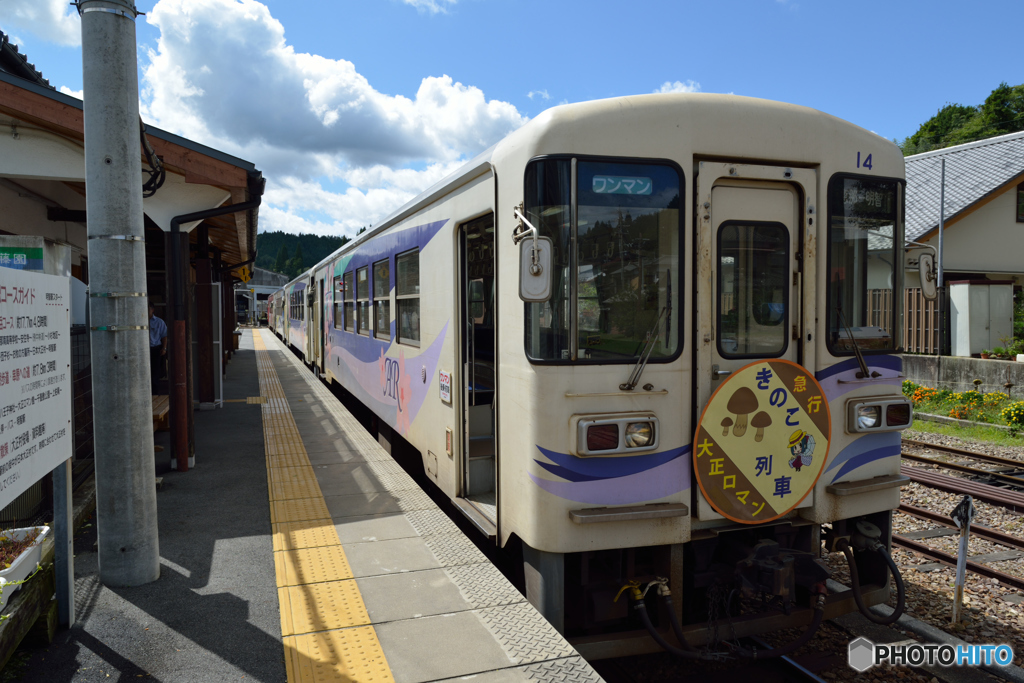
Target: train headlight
[639, 434]
[868, 417]
[613, 434]
[878, 415]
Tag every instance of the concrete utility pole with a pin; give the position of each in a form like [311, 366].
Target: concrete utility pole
[129, 553]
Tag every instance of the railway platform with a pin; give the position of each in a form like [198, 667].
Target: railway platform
[298, 550]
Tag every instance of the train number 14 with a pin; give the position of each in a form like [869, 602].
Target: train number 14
[867, 161]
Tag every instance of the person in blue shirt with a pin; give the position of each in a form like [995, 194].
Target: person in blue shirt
[157, 347]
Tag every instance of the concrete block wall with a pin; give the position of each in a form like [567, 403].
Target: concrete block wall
[958, 373]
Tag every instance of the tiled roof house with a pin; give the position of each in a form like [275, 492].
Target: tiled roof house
[984, 226]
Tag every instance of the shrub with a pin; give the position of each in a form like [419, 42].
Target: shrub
[909, 388]
[1014, 414]
[966, 412]
[994, 399]
[971, 398]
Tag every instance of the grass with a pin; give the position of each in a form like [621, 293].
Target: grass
[999, 437]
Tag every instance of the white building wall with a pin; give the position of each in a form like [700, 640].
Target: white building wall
[990, 240]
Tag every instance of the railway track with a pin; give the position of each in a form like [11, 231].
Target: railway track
[1008, 496]
[1001, 487]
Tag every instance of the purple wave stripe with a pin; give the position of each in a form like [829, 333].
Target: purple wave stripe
[866, 449]
[368, 376]
[662, 481]
[889, 367]
[865, 458]
[564, 473]
[879, 361]
[607, 468]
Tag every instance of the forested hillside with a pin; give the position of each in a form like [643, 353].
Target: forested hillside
[291, 254]
[954, 124]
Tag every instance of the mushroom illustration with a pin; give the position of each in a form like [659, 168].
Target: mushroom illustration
[726, 423]
[760, 421]
[743, 402]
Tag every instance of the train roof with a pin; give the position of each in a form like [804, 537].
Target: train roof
[699, 110]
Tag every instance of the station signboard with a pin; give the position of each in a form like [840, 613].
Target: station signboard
[36, 433]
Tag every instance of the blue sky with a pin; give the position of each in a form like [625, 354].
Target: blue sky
[352, 107]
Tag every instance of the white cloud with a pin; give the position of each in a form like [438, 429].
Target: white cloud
[301, 117]
[679, 86]
[74, 93]
[432, 6]
[543, 94]
[53, 21]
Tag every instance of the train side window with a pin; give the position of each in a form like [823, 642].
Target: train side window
[753, 289]
[339, 305]
[407, 297]
[350, 301]
[363, 299]
[382, 299]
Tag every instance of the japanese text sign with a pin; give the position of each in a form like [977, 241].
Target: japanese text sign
[762, 441]
[35, 378]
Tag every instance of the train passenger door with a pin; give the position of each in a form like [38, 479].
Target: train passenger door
[753, 261]
[312, 322]
[479, 367]
[756, 249]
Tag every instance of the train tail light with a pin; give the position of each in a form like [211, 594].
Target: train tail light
[897, 414]
[603, 437]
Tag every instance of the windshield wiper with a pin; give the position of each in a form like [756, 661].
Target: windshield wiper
[641, 362]
[864, 373]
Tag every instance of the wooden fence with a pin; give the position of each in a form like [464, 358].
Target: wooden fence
[920, 318]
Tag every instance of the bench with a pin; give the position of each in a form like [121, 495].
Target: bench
[161, 411]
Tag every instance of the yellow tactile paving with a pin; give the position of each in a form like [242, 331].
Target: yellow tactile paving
[315, 588]
[287, 460]
[321, 607]
[352, 655]
[311, 533]
[311, 565]
[297, 510]
[289, 489]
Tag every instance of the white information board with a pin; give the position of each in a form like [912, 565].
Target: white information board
[35, 378]
[445, 380]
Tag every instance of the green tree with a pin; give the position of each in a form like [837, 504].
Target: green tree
[1003, 111]
[282, 260]
[298, 254]
[936, 131]
[955, 124]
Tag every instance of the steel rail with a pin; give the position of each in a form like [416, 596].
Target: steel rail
[789, 663]
[1008, 478]
[988, 533]
[950, 560]
[1013, 500]
[994, 459]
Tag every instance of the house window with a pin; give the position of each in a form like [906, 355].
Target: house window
[339, 303]
[363, 299]
[407, 297]
[350, 299]
[1020, 203]
[382, 299]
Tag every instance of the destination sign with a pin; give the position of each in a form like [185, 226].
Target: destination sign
[619, 184]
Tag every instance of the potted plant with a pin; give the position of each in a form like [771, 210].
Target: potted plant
[20, 553]
[985, 353]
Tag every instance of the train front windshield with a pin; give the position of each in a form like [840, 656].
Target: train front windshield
[622, 280]
[862, 264]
